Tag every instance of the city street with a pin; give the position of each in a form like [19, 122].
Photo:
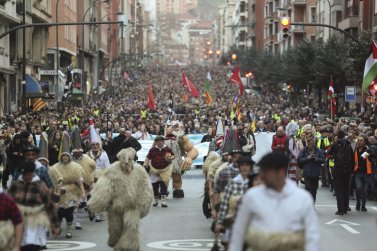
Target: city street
[182, 225]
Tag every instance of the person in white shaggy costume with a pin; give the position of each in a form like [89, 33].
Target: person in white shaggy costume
[125, 191]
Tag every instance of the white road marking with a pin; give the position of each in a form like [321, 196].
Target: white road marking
[183, 245]
[374, 208]
[342, 222]
[349, 229]
[69, 245]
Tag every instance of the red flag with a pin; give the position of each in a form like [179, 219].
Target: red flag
[190, 86]
[185, 80]
[151, 103]
[236, 79]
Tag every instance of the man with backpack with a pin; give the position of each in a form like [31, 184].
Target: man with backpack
[342, 152]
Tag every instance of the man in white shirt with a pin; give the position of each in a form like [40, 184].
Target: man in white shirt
[276, 214]
[100, 157]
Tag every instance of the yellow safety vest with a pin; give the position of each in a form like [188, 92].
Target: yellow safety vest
[143, 114]
[96, 113]
[326, 142]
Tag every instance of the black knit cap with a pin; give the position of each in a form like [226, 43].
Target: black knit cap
[273, 160]
[30, 148]
[245, 160]
[159, 138]
[27, 166]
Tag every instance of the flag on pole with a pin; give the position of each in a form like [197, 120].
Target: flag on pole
[38, 104]
[151, 102]
[253, 127]
[190, 86]
[209, 76]
[170, 107]
[331, 96]
[207, 87]
[370, 69]
[236, 79]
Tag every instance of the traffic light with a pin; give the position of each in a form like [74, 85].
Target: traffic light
[285, 23]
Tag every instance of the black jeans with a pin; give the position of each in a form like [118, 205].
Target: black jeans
[311, 185]
[31, 248]
[342, 190]
[159, 187]
[66, 213]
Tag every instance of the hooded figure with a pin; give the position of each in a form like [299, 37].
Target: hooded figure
[68, 175]
[125, 191]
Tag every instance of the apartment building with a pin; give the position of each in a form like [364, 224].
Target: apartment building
[36, 11]
[8, 58]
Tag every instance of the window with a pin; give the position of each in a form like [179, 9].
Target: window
[313, 14]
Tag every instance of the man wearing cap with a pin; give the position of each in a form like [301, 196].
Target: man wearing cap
[37, 209]
[266, 214]
[159, 160]
[68, 175]
[88, 167]
[233, 192]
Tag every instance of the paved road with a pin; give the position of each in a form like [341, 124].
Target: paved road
[183, 227]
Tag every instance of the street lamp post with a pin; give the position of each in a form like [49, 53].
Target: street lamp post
[83, 45]
[57, 59]
[330, 9]
[23, 102]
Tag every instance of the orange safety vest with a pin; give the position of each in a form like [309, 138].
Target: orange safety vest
[369, 164]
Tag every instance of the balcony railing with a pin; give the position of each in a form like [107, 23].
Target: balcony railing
[299, 2]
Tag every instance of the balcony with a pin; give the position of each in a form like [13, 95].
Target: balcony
[244, 14]
[349, 23]
[298, 2]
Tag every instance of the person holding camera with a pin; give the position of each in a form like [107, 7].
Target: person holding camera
[310, 160]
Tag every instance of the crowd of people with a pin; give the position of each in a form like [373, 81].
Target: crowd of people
[61, 154]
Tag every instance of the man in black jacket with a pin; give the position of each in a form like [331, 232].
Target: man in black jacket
[122, 141]
[342, 152]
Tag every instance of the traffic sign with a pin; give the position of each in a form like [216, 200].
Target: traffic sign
[350, 94]
[47, 72]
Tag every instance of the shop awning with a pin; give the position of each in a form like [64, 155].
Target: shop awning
[33, 88]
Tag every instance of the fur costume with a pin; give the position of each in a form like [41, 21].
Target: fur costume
[213, 168]
[258, 240]
[88, 167]
[232, 209]
[6, 235]
[125, 191]
[34, 216]
[211, 158]
[173, 144]
[163, 174]
[70, 175]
